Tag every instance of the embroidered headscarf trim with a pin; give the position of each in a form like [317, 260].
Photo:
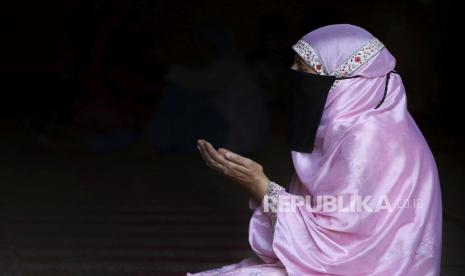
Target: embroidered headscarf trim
[308, 54]
[359, 58]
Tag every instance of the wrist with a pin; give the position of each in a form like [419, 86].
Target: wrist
[260, 188]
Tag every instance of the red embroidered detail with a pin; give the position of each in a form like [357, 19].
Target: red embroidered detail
[304, 50]
[359, 58]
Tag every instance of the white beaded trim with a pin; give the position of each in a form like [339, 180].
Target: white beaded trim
[308, 54]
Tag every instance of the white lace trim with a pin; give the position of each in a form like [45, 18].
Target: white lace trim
[309, 55]
[273, 201]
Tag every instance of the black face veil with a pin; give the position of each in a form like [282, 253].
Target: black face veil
[308, 94]
[307, 99]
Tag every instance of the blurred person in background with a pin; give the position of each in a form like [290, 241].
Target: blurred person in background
[217, 98]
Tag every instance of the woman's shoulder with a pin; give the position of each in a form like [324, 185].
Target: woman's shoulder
[380, 136]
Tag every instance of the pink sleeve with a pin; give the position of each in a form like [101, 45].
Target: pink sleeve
[269, 204]
[261, 228]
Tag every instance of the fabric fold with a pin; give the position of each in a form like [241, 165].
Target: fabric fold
[367, 199]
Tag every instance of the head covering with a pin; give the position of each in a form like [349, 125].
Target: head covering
[359, 151]
[355, 47]
[345, 50]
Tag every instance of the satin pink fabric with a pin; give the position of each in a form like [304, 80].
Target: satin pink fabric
[363, 151]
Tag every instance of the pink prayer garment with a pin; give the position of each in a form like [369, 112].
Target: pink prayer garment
[359, 150]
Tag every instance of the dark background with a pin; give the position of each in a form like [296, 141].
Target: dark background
[102, 102]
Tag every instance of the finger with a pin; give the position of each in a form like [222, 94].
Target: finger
[209, 160]
[202, 154]
[233, 165]
[214, 154]
[205, 153]
[235, 168]
[219, 160]
[202, 151]
[236, 158]
[227, 168]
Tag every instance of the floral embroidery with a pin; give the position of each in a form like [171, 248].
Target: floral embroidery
[359, 58]
[272, 195]
[305, 51]
[348, 67]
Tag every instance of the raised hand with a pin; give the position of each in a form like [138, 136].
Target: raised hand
[242, 170]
